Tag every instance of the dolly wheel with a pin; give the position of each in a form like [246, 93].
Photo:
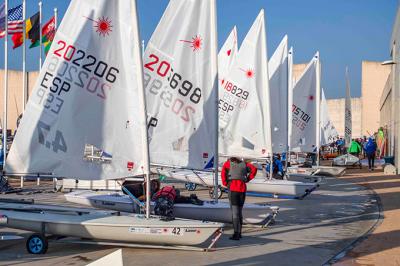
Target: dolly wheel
[211, 192]
[190, 186]
[37, 244]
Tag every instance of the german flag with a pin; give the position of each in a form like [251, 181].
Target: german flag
[33, 29]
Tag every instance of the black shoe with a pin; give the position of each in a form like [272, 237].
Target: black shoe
[235, 237]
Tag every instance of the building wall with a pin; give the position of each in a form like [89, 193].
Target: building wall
[336, 113]
[385, 112]
[14, 95]
[373, 80]
[394, 49]
[298, 69]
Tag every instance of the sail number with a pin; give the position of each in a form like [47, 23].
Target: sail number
[58, 144]
[83, 70]
[171, 90]
[300, 118]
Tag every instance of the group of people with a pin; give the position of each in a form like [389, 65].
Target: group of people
[367, 147]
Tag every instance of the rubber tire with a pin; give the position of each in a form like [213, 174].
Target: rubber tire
[190, 186]
[37, 244]
[211, 192]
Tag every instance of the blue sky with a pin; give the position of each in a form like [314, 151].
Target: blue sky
[344, 31]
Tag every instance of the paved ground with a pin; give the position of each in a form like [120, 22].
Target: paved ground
[307, 232]
[382, 247]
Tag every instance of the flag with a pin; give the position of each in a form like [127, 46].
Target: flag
[15, 21]
[48, 32]
[33, 29]
[2, 19]
[17, 39]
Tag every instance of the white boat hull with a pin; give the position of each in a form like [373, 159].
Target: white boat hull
[318, 170]
[104, 226]
[257, 185]
[209, 211]
[346, 160]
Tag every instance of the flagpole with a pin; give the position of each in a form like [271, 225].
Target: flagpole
[24, 83]
[5, 84]
[40, 35]
[318, 96]
[55, 18]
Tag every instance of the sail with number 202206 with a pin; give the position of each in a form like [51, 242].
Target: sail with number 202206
[90, 92]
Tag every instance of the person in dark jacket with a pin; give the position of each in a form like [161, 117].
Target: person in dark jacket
[235, 174]
[277, 168]
[370, 150]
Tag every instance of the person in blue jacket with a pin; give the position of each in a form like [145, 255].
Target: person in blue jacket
[277, 167]
[370, 150]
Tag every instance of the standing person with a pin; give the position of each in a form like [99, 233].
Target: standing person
[370, 150]
[355, 148]
[235, 174]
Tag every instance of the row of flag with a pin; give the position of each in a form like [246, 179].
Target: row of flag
[32, 28]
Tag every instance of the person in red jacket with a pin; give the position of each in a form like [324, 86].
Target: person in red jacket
[235, 174]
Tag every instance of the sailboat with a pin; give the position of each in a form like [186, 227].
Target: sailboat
[347, 159]
[328, 134]
[90, 92]
[245, 127]
[180, 74]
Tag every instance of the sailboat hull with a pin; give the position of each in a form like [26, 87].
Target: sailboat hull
[347, 160]
[318, 170]
[104, 226]
[209, 211]
[257, 185]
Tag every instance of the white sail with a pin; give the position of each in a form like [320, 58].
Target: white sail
[245, 127]
[227, 56]
[180, 72]
[278, 83]
[328, 130]
[347, 113]
[88, 95]
[304, 109]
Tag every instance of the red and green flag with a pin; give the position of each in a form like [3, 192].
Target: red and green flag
[48, 33]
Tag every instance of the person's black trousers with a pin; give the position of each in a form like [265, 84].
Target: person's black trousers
[236, 199]
[371, 160]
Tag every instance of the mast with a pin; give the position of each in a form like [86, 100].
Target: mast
[5, 84]
[289, 104]
[40, 35]
[264, 39]
[24, 83]
[318, 96]
[142, 101]
[214, 69]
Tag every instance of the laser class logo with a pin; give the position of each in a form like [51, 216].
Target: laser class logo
[102, 25]
[249, 72]
[196, 43]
